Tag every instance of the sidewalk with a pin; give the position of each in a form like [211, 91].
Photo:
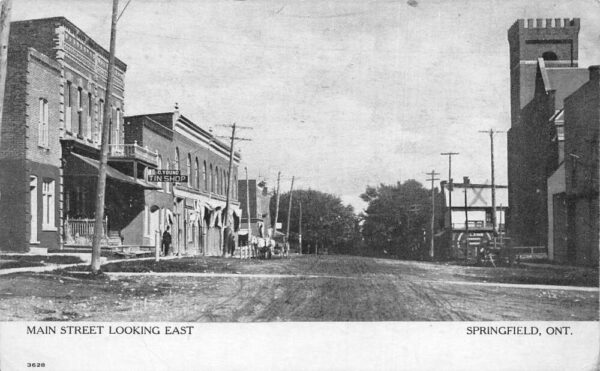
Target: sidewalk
[87, 261]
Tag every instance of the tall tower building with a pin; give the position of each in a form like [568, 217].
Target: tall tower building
[543, 71]
[554, 40]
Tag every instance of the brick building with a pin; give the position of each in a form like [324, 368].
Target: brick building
[194, 210]
[550, 97]
[543, 63]
[51, 139]
[582, 124]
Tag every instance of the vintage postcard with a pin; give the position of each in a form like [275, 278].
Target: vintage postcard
[304, 185]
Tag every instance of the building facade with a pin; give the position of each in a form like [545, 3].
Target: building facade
[51, 137]
[195, 210]
[544, 77]
[543, 65]
[581, 137]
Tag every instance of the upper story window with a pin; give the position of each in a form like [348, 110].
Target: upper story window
[100, 120]
[176, 158]
[159, 166]
[549, 56]
[189, 169]
[204, 178]
[43, 123]
[68, 103]
[118, 126]
[68, 95]
[197, 178]
[212, 179]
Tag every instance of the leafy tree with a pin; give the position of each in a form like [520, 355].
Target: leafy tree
[326, 221]
[398, 217]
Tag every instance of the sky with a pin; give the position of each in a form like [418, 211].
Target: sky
[340, 94]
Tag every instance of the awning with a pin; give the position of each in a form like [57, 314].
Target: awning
[110, 172]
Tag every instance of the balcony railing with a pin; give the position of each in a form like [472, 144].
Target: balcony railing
[134, 151]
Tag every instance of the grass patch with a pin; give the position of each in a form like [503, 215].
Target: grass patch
[22, 261]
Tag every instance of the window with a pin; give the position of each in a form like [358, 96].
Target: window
[48, 205]
[218, 180]
[117, 127]
[189, 169]
[43, 124]
[168, 184]
[79, 112]
[197, 181]
[68, 103]
[176, 158]
[89, 116]
[100, 121]
[549, 56]
[159, 167]
[212, 179]
[204, 178]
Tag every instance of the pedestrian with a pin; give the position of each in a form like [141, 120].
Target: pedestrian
[166, 241]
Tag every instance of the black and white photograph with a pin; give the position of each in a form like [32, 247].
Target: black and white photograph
[299, 185]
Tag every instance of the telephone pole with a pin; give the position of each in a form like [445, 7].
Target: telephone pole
[233, 138]
[101, 187]
[491, 133]
[276, 204]
[248, 211]
[450, 185]
[5, 10]
[287, 232]
[432, 242]
[300, 230]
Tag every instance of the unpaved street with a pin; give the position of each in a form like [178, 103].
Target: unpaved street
[307, 288]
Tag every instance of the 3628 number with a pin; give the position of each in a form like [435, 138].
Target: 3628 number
[36, 364]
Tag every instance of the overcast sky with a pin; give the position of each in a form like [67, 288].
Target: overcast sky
[342, 94]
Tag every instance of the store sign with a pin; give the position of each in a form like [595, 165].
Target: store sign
[167, 176]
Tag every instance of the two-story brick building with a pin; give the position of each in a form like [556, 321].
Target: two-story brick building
[194, 210]
[51, 129]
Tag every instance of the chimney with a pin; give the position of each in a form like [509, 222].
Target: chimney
[594, 73]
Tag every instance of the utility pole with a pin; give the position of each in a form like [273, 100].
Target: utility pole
[450, 185]
[287, 232]
[466, 182]
[227, 197]
[276, 203]
[491, 133]
[248, 211]
[5, 10]
[300, 230]
[101, 187]
[432, 242]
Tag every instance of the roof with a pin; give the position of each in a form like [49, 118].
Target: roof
[91, 42]
[110, 172]
[562, 80]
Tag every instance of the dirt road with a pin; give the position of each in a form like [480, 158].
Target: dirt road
[307, 288]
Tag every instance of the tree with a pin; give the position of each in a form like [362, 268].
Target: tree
[325, 220]
[397, 218]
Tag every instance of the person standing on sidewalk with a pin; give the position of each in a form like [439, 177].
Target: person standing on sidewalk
[166, 241]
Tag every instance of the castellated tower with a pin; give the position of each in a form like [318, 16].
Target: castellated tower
[553, 39]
